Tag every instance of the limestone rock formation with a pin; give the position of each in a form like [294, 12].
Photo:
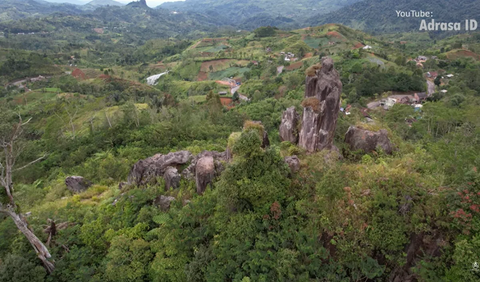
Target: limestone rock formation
[219, 159]
[163, 202]
[321, 107]
[368, 141]
[309, 132]
[77, 184]
[145, 171]
[293, 162]
[204, 173]
[288, 127]
[172, 178]
[310, 86]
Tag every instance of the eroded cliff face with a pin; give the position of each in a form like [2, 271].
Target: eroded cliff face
[321, 106]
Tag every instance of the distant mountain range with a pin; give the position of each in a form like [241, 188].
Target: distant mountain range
[101, 3]
[264, 12]
[379, 16]
[375, 16]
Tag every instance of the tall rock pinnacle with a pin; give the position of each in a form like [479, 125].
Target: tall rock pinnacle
[321, 107]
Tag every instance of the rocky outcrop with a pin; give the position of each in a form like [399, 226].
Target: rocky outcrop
[220, 158]
[163, 202]
[293, 162]
[321, 107]
[288, 127]
[368, 141]
[311, 86]
[147, 170]
[309, 131]
[172, 178]
[204, 173]
[77, 184]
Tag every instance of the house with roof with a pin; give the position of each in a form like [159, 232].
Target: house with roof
[422, 59]
[388, 103]
[420, 97]
[367, 47]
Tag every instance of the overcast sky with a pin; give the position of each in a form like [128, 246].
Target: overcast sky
[151, 3]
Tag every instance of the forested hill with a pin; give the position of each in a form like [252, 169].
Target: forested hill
[138, 23]
[271, 11]
[19, 9]
[379, 16]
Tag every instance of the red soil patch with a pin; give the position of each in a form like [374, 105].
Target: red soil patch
[358, 45]
[221, 82]
[308, 55]
[77, 73]
[461, 54]
[294, 66]
[227, 102]
[334, 34]
[104, 76]
[202, 76]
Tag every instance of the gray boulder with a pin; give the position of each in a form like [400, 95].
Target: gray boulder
[77, 184]
[288, 127]
[219, 159]
[204, 173]
[163, 202]
[172, 178]
[147, 170]
[368, 141]
[293, 162]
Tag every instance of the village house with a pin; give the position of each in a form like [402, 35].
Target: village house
[367, 47]
[422, 59]
[432, 74]
[388, 103]
[222, 93]
[420, 97]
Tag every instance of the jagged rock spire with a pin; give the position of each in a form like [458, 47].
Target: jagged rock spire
[321, 106]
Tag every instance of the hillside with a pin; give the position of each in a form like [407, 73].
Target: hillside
[19, 9]
[131, 21]
[262, 13]
[379, 16]
[219, 170]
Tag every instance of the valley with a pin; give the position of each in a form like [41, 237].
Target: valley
[208, 144]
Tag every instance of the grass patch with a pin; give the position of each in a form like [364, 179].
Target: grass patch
[230, 72]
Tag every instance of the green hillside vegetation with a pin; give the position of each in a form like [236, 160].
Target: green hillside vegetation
[348, 219]
[19, 9]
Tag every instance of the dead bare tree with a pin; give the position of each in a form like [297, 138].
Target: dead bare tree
[11, 149]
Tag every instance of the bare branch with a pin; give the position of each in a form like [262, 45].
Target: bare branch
[31, 163]
[25, 123]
